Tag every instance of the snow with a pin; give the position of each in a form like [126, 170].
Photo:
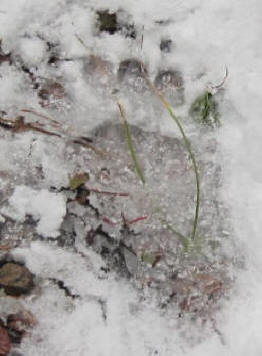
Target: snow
[32, 51]
[47, 208]
[208, 36]
[131, 327]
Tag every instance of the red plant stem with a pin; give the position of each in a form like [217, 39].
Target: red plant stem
[133, 221]
[140, 218]
[108, 221]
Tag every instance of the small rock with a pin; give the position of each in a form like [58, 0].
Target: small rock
[15, 279]
[5, 344]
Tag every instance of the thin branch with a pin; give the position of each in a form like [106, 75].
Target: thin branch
[54, 122]
[115, 194]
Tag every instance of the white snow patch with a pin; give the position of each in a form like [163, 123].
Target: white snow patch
[46, 207]
[32, 50]
[108, 319]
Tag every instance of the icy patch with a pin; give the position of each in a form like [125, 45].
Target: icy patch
[48, 208]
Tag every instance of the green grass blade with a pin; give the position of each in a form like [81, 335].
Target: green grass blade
[192, 157]
[188, 147]
[130, 145]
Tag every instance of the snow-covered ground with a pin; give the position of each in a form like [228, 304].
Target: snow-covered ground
[208, 36]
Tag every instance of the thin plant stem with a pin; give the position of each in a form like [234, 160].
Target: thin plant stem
[175, 231]
[188, 147]
[127, 130]
[81, 41]
[130, 145]
[184, 240]
[53, 122]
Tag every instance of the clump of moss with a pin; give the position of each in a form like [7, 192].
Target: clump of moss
[107, 21]
[205, 110]
[78, 180]
[112, 22]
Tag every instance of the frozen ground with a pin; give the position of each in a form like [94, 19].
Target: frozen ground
[110, 315]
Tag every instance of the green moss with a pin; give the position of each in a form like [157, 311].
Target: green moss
[107, 21]
[204, 110]
[78, 179]
[148, 258]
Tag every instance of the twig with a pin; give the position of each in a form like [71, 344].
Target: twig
[115, 194]
[54, 122]
[18, 126]
[83, 141]
[86, 144]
